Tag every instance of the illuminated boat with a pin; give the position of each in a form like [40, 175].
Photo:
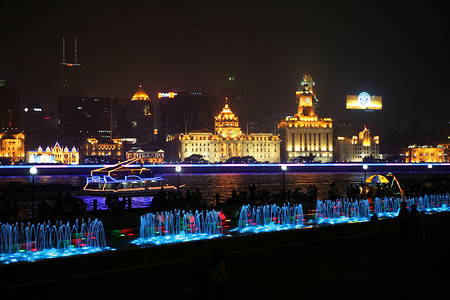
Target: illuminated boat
[125, 179]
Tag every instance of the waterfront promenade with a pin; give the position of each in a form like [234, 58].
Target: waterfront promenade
[348, 261]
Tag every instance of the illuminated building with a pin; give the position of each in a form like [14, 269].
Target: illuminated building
[70, 72]
[310, 83]
[146, 156]
[12, 146]
[112, 148]
[57, 154]
[305, 136]
[9, 107]
[227, 141]
[357, 148]
[425, 154]
[163, 114]
[139, 113]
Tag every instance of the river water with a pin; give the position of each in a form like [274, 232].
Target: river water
[209, 184]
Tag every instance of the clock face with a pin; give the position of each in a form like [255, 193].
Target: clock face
[307, 100]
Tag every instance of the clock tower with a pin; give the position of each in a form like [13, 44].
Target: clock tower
[305, 100]
[305, 136]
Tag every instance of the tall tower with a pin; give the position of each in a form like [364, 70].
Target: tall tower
[305, 136]
[70, 71]
[139, 113]
[234, 95]
[308, 84]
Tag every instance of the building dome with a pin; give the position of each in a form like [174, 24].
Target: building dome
[226, 114]
[227, 124]
[140, 94]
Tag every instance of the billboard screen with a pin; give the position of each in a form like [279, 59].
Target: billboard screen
[364, 101]
[167, 95]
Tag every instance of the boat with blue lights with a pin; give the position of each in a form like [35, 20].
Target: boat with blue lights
[125, 178]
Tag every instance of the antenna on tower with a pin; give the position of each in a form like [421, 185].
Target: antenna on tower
[64, 51]
[76, 52]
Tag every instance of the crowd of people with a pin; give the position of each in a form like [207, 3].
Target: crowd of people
[66, 208]
[9, 209]
[70, 208]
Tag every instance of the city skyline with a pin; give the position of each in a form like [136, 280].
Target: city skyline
[396, 52]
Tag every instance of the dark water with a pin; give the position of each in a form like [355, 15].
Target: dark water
[209, 185]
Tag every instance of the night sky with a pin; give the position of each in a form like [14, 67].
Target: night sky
[399, 52]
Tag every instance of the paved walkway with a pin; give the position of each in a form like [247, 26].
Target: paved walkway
[377, 266]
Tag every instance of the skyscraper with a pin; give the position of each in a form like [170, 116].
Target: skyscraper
[9, 107]
[234, 96]
[70, 71]
[193, 111]
[139, 112]
[84, 117]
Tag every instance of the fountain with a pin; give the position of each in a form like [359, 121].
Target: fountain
[267, 218]
[435, 203]
[389, 207]
[26, 243]
[179, 226]
[342, 211]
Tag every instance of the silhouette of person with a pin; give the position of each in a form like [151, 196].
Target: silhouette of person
[414, 219]
[403, 221]
[200, 271]
[218, 273]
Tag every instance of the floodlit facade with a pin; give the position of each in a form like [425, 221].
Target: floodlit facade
[227, 141]
[305, 135]
[146, 156]
[56, 154]
[425, 154]
[113, 148]
[357, 148]
[12, 146]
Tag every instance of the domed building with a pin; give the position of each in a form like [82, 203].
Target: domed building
[140, 95]
[139, 112]
[226, 142]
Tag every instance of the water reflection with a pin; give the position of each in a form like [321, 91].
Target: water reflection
[209, 184]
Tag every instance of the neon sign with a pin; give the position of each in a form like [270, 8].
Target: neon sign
[167, 95]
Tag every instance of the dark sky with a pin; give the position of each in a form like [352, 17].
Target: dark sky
[399, 52]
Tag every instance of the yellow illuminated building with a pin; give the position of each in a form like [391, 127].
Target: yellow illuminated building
[112, 148]
[12, 146]
[357, 148]
[425, 154]
[54, 155]
[140, 95]
[227, 141]
[146, 156]
[305, 134]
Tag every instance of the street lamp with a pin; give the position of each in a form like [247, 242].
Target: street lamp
[178, 170]
[283, 170]
[365, 167]
[33, 171]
